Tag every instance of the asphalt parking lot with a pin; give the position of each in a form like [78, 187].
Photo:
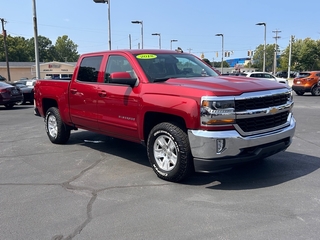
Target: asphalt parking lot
[97, 187]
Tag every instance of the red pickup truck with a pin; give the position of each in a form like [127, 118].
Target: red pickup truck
[188, 116]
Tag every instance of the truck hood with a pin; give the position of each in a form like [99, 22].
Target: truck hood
[226, 85]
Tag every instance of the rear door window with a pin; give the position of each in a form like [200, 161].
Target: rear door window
[89, 69]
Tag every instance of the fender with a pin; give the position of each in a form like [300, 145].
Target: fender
[186, 108]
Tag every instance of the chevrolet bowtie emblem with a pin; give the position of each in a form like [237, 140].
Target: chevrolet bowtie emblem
[273, 111]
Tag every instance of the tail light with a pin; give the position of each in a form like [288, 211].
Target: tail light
[3, 90]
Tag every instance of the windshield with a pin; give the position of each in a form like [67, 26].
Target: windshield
[161, 67]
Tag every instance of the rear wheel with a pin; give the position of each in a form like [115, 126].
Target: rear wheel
[169, 152]
[315, 91]
[57, 131]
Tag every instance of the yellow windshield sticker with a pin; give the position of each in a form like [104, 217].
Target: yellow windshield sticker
[146, 56]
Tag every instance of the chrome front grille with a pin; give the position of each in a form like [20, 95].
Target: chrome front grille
[261, 123]
[261, 112]
[261, 102]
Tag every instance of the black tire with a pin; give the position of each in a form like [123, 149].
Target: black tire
[299, 93]
[32, 97]
[57, 131]
[169, 152]
[22, 101]
[315, 91]
[9, 105]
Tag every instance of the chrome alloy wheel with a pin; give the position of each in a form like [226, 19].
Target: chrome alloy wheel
[165, 153]
[52, 126]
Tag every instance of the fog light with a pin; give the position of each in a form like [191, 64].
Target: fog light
[221, 143]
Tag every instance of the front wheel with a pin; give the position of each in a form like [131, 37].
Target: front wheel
[21, 102]
[169, 152]
[299, 93]
[57, 131]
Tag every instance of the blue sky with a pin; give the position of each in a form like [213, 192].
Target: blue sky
[193, 23]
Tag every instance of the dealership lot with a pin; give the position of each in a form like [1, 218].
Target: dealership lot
[97, 187]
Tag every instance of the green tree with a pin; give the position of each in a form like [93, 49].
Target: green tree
[308, 55]
[258, 57]
[16, 49]
[66, 50]
[305, 55]
[46, 49]
[22, 50]
[218, 64]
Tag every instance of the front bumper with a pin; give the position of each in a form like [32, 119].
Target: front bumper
[238, 149]
[11, 100]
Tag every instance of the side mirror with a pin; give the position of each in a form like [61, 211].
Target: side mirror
[122, 78]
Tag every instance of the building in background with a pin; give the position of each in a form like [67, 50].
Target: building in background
[238, 61]
[19, 70]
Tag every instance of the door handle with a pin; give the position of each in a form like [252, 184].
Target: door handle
[73, 91]
[102, 94]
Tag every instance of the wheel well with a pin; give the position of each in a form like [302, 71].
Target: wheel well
[48, 103]
[153, 118]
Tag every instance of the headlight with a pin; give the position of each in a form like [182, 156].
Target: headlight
[217, 111]
[290, 95]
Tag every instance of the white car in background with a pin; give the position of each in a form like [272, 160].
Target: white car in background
[266, 75]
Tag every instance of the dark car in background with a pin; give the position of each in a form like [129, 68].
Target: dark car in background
[26, 86]
[9, 95]
[2, 78]
[284, 74]
[235, 74]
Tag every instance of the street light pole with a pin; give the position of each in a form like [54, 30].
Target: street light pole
[109, 22]
[157, 34]
[173, 40]
[140, 22]
[265, 43]
[222, 40]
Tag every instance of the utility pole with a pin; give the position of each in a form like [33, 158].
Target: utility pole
[275, 51]
[36, 44]
[289, 64]
[4, 32]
